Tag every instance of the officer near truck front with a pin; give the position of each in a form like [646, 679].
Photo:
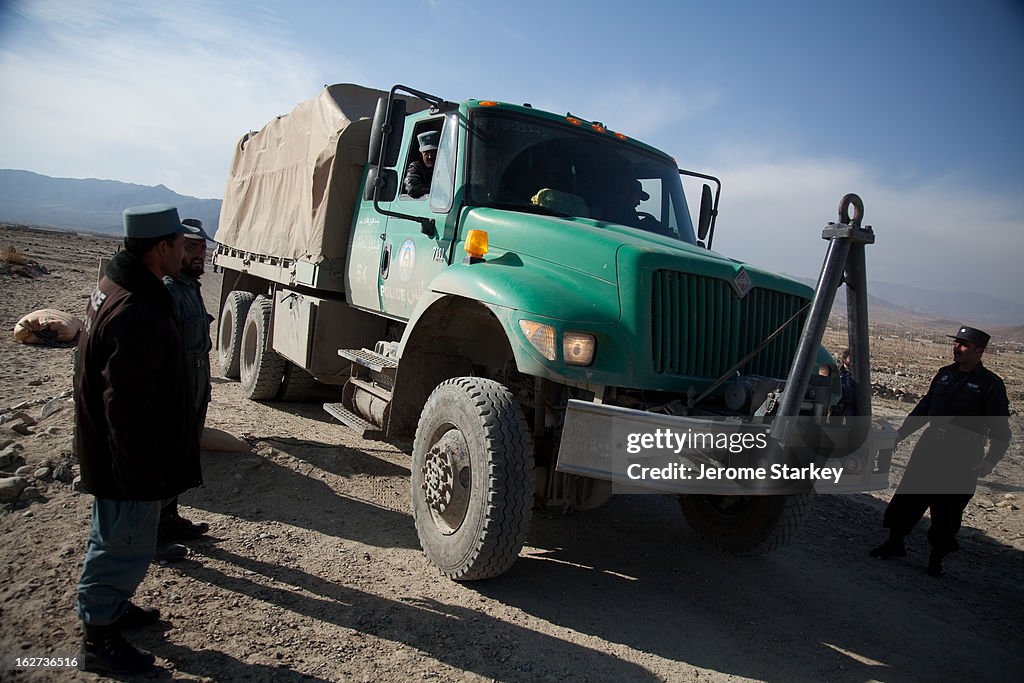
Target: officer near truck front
[419, 172]
[965, 403]
[135, 435]
[194, 324]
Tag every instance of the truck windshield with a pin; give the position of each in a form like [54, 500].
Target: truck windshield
[529, 164]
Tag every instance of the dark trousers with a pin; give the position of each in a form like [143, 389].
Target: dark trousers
[170, 505]
[905, 510]
[121, 544]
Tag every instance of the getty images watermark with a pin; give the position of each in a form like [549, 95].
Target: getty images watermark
[692, 441]
[657, 453]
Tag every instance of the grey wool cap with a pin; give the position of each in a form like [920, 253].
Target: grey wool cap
[428, 140]
[198, 225]
[154, 220]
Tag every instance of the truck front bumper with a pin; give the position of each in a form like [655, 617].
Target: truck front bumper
[642, 452]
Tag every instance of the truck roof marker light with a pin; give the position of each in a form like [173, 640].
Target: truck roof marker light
[621, 136]
[488, 103]
[598, 127]
[475, 246]
[573, 120]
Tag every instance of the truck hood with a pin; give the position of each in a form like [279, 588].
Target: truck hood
[600, 249]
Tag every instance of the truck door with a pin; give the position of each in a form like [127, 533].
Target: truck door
[411, 258]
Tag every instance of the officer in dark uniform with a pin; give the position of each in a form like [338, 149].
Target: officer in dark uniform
[194, 324]
[965, 403]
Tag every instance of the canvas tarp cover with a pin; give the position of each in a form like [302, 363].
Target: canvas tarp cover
[294, 184]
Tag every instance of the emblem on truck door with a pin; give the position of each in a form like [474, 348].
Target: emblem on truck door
[406, 260]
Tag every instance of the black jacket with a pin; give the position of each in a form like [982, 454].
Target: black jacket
[135, 424]
[417, 179]
[961, 410]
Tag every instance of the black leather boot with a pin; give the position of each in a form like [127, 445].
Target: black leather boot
[893, 547]
[105, 651]
[136, 617]
[935, 565]
[173, 527]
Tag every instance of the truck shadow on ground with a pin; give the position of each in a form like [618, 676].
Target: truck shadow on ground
[258, 489]
[819, 609]
[463, 638]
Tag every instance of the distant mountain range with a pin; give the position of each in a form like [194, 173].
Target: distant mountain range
[932, 308]
[95, 206]
[89, 204]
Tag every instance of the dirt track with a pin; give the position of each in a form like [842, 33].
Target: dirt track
[312, 570]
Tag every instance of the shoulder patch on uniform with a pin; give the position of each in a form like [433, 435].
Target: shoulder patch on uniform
[97, 299]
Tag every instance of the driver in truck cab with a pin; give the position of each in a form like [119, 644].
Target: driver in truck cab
[420, 171]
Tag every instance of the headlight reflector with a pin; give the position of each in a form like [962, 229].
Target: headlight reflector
[578, 348]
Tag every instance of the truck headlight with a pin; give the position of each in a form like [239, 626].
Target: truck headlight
[541, 336]
[578, 348]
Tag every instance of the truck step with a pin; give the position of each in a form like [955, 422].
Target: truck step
[369, 359]
[366, 430]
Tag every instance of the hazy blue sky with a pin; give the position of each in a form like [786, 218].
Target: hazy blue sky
[917, 105]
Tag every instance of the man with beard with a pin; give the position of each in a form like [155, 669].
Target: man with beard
[194, 324]
[965, 403]
[135, 435]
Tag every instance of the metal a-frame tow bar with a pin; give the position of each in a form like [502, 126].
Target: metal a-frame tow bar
[844, 262]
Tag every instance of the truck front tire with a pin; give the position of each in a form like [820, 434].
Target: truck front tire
[472, 471]
[261, 368]
[745, 525]
[229, 332]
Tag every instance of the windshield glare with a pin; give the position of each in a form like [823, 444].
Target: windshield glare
[532, 165]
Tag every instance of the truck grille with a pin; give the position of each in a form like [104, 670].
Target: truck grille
[700, 328]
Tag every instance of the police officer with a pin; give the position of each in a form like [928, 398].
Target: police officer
[186, 290]
[965, 403]
[419, 173]
[135, 434]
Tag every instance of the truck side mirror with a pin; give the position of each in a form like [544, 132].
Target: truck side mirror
[704, 220]
[388, 180]
[387, 132]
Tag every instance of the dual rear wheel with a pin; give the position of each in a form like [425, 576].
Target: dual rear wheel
[245, 353]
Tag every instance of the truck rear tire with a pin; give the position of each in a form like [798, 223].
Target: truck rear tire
[297, 384]
[472, 478]
[745, 525]
[229, 332]
[261, 368]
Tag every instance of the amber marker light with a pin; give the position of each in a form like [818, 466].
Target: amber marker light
[598, 127]
[621, 136]
[476, 243]
[574, 121]
[488, 103]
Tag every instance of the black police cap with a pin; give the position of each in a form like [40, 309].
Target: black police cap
[972, 335]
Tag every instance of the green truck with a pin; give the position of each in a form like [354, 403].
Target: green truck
[549, 296]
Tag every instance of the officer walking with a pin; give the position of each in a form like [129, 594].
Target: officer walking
[965, 403]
